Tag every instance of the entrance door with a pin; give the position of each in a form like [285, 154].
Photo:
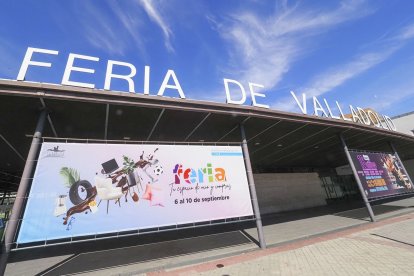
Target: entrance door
[340, 187]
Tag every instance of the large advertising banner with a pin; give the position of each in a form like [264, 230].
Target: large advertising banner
[92, 189]
[381, 174]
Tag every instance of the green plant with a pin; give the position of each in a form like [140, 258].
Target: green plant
[129, 165]
[70, 176]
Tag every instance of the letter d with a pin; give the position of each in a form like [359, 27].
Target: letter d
[228, 97]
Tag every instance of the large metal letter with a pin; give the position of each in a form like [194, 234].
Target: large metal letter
[361, 189]
[13, 222]
[252, 187]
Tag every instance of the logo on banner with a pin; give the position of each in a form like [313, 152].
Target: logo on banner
[55, 152]
[200, 175]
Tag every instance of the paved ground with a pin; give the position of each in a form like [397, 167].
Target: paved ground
[382, 248]
[314, 241]
[280, 233]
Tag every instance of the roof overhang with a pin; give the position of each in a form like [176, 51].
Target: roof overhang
[277, 140]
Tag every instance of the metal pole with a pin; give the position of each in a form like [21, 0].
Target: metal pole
[4, 196]
[361, 189]
[399, 159]
[252, 187]
[13, 222]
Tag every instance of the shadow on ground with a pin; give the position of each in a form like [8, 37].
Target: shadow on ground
[100, 254]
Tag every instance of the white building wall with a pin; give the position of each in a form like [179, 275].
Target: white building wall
[405, 123]
[277, 192]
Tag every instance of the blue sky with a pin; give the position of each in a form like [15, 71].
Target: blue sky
[357, 52]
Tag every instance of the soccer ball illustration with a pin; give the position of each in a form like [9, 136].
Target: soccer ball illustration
[158, 170]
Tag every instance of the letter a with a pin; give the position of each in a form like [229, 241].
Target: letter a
[170, 73]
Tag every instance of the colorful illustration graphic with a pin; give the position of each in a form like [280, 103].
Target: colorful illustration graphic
[102, 188]
[381, 174]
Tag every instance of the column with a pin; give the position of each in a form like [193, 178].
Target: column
[361, 189]
[252, 187]
[25, 181]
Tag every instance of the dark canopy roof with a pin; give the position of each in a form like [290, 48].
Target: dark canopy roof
[277, 140]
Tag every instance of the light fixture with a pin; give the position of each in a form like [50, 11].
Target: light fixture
[279, 145]
[119, 112]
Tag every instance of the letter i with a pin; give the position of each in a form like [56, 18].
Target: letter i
[210, 173]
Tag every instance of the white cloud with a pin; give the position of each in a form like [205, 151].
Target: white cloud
[335, 77]
[339, 75]
[101, 31]
[264, 48]
[386, 96]
[130, 18]
[150, 8]
[113, 30]
[390, 97]
[406, 33]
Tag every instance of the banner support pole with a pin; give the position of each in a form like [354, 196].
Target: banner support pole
[361, 189]
[399, 159]
[252, 187]
[18, 205]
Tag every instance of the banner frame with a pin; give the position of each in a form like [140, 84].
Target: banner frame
[115, 235]
[372, 199]
[139, 231]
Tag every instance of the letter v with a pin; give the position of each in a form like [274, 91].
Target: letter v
[302, 107]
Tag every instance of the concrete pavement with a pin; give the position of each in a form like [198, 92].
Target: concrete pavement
[382, 248]
[296, 242]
